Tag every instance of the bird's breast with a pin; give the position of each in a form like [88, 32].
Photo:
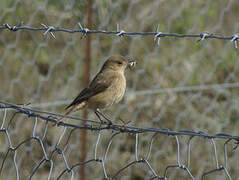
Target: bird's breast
[113, 94]
[118, 89]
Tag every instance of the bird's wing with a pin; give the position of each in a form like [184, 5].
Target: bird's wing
[97, 85]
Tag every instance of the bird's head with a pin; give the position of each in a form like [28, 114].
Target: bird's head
[117, 63]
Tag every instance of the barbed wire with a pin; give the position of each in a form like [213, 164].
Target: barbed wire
[119, 128]
[119, 32]
[116, 130]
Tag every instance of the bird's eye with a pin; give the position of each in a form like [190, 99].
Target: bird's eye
[118, 62]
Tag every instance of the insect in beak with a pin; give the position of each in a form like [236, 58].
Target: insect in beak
[132, 64]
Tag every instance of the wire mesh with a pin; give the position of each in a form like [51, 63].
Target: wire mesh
[183, 93]
[61, 147]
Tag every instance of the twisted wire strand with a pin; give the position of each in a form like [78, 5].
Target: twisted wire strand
[119, 32]
[119, 128]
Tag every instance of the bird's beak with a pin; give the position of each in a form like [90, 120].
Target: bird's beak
[132, 64]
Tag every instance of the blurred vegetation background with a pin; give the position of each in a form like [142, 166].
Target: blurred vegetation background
[48, 73]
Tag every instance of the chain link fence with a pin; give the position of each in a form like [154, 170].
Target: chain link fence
[181, 100]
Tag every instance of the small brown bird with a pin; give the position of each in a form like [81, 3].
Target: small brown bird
[107, 88]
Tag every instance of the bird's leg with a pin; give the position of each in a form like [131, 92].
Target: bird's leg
[98, 114]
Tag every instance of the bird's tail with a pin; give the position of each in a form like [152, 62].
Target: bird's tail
[71, 109]
[61, 118]
[68, 112]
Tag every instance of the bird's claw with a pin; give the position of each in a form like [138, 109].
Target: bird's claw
[125, 123]
[58, 123]
[107, 122]
[236, 146]
[99, 115]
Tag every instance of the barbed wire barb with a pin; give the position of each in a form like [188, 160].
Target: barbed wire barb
[49, 29]
[119, 32]
[83, 30]
[234, 39]
[157, 36]
[203, 36]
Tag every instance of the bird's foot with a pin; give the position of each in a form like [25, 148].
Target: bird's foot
[107, 122]
[58, 123]
[236, 145]
[125, 123]
[104, 123]
[100, 114]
